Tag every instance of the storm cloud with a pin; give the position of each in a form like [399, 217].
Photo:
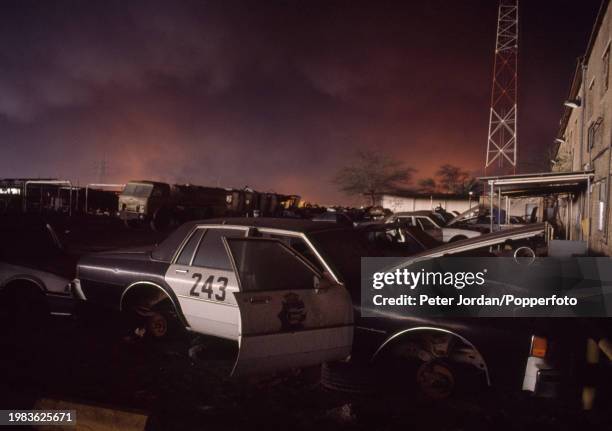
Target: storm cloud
[274, 95]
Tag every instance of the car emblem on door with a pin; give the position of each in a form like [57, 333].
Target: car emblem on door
[293, 313]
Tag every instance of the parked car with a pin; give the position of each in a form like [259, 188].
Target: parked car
[442, 356]
[272, 285]
[434, 224]
[35, 272]
[334, 217]
[478, 219]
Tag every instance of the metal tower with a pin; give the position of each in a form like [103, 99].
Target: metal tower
[501, 143]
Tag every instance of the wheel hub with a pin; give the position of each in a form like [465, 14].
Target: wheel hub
[157, 325]
[436, 380]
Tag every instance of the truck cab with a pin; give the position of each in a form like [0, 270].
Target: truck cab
[140, 200]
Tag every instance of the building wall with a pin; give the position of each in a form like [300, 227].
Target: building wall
[588, 141]
[402, 204]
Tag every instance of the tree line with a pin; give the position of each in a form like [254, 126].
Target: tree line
[371, 173]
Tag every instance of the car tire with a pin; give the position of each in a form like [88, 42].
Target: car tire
[432, 379]
[457, 238]
[161, 324]
[162, 220]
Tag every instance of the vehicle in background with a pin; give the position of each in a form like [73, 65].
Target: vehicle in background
[397, 353]
[334, 217]
[164, 205]
[434, 224]
[35, 272]
[479, 219]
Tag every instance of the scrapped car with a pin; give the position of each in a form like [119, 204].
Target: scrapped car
[272, 285]
[441, 356]
[35, 271]
[334, 217]
[479, 219]
[433, 224]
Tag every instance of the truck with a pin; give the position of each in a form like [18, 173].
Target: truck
[163, 205]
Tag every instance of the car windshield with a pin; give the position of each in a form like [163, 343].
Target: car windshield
[137, 190]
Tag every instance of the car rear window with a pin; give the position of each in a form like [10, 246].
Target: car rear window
[211, 252]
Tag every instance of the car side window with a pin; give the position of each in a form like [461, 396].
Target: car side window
[407, 220]
[187, 252]
[426, 224]
[299, 245]
[211, 252]
[266, 264]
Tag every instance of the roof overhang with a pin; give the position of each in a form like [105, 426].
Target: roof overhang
[540, 184]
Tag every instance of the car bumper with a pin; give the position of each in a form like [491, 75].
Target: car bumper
[77, 292]
[130, 215]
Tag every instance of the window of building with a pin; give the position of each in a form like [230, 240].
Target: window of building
[595, 134]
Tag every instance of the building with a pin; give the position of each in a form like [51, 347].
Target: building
[584, 140]
[405, 200]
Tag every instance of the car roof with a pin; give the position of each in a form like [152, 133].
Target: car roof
[166, 249]
[408, 213]
[297, 225]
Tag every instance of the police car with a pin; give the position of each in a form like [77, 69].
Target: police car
[272, 285]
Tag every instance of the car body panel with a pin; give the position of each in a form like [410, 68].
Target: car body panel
[432, 224]
[31, 253]
[304, 321]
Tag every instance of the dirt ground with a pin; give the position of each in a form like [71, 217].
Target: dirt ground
[185, 385]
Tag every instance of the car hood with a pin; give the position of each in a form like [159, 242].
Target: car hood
[456, 231]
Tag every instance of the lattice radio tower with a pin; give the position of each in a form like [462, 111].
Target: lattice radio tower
[502, 140]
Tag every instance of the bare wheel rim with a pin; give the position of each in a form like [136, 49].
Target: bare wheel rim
[435, 380]
[157, 325]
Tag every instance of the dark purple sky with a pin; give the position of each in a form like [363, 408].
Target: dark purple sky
[273, 94]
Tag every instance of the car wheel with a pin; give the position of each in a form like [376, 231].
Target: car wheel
[436, 366]
[458, 238]
[159, 323]
[162, 220]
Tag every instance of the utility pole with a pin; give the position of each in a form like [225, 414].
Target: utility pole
[101, 167]
[502, 136]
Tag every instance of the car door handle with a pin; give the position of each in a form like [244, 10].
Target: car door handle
[260, 299]
[181, 271]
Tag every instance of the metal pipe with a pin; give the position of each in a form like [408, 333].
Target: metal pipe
[507, 218]
[583, 105]
[499, 223]
[588, 233]
[491, 194]
[568, 202]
